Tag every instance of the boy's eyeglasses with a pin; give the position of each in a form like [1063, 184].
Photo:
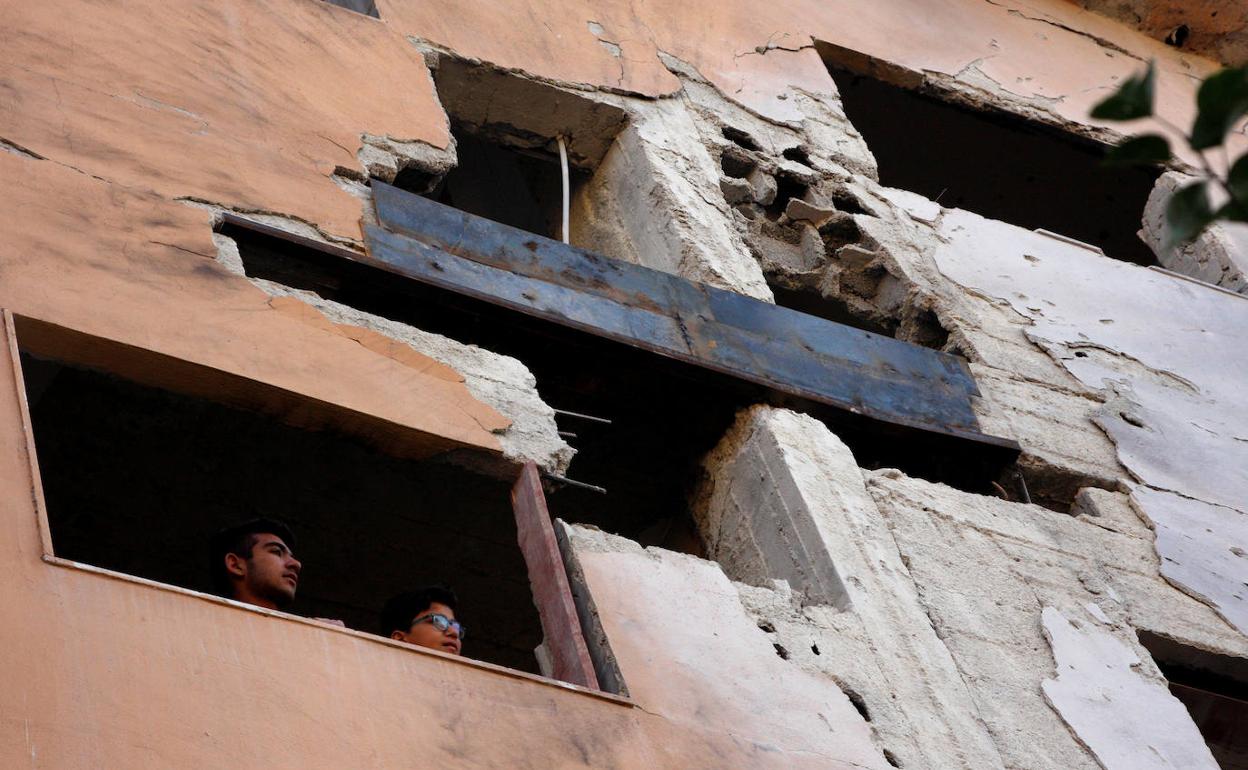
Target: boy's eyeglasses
[442, 623]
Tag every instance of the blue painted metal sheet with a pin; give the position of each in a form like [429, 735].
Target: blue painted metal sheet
[782, 349]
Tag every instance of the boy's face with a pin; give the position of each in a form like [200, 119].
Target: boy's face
[425, 633]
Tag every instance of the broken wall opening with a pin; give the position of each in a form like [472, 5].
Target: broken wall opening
[814, 256]
[137, 478]
[995, 164]
[1214, 688]
[506, 129]
[665, 414]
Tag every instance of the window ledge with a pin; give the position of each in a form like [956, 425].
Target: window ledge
[328, 627]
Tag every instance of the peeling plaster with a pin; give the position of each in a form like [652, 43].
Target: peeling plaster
[1172, 353]
[1130, 721]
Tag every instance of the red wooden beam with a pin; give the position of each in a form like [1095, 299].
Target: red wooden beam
[561, 625]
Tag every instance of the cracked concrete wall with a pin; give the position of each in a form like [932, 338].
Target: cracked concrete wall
[1173, 381]
[943, 638]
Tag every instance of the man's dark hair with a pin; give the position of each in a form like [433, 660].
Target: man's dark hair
[239, 540]
[401, 610]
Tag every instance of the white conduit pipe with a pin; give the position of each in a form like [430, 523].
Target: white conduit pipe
[563, 166]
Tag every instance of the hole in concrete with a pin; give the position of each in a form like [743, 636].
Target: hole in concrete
[736, 164]
[846, 201]
[783, 653]
[1178, 36]
[811, 302]
[1214, 688]
[815, 649]
[858, 702]
[798, 154]
[366, 7]
[925, 329]
[137, 479]
[740, 138]
[891, 758]
[998, 165]
[787, 188]
[763, 625]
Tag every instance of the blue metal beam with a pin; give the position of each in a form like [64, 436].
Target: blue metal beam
[784, 350]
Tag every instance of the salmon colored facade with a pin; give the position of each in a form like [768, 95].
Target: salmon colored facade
[127, 129]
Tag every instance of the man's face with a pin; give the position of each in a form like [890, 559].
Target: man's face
[426, 634]
[270, 574]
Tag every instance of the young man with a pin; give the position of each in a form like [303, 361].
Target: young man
[424, 617]
[252, 562]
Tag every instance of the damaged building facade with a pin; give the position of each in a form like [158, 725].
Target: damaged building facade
[861, 422]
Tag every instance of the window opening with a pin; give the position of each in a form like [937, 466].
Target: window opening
[998, 165]
[1214, 688]
[137, 478]
[506, 130]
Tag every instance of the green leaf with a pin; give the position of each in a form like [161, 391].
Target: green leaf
[1221, 101]
[1133, 99]
[1233, 212]
[1187, 214]
[1237, 181]
[1139, 151]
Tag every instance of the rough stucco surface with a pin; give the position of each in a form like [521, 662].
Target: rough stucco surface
[690, 653]
[1178, 375]
[251, 106]
[1114, 709]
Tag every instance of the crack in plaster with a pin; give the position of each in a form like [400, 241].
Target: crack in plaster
[1104, 43]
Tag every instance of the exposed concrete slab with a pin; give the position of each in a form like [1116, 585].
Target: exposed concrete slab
[1130, 721]
[655, 201]
[1219, 256]
[785, 499]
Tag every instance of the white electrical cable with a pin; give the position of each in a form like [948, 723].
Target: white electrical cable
[563, 163]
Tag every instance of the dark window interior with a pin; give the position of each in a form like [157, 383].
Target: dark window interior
[1215, 690]
[665, 415]
[366, 7]
[999, 166]
[138, 478]
[518, 187]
